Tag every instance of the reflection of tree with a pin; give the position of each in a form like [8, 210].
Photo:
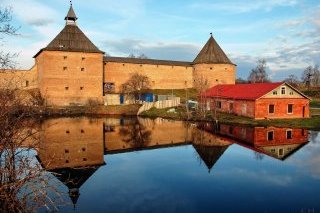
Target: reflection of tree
[24, 185]
[313, 136]
[136, 134]
[258, 156]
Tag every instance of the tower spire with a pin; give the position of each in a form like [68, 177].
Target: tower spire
[71, 17]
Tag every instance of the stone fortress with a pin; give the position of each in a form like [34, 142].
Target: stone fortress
[71, 70]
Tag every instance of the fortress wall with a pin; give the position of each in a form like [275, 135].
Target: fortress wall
[19, 79]
[161, 76]
[215, 73]
[70, 77]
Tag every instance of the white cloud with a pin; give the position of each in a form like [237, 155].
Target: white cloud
[245, 6]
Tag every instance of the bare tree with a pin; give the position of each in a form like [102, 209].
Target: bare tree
[307, 76]
[201, 85]
[24, 184]
[259, 73]
[135, 86]
[292, 80]
[6, 28]
[131, 55]
[142, 56]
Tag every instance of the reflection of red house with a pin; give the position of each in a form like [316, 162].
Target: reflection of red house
[259, 101]
[276, 142]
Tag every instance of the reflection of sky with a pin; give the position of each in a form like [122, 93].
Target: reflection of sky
[172, 180]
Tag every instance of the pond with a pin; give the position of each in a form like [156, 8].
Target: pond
[144, 165]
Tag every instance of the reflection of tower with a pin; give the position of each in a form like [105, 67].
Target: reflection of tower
[209, 146]
[74, 179]
[210, 154]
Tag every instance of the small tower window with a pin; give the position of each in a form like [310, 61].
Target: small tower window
[83, 149]
[210, 68]
[82, 131]
[81, 88]
[123, 64]
[140, 65]
[65, 57]
[65, 68]
[82, 69]
[66, 88]
[83, 58]
[27, 83]
[67, 131]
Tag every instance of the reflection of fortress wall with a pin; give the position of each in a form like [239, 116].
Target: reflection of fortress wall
[146, 133]
[71, 142]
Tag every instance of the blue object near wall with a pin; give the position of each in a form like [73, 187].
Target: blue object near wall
[121, 99]
[148, 97]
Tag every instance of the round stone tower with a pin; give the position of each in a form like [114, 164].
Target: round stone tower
[212, 66]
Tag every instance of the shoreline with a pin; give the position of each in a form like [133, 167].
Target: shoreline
[312, 123]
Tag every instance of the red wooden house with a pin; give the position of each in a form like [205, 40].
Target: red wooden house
[258, 101]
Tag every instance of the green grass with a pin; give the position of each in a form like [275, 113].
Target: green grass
[315, 103]
[308, 123]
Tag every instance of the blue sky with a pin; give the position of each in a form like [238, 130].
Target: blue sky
[284, 32]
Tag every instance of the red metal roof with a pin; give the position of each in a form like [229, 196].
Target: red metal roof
[241, 91]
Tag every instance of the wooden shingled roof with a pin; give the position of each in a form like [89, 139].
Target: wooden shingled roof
[71, 39]
[147, 61]
[212, 53]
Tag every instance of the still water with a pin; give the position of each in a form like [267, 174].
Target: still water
[143, 165]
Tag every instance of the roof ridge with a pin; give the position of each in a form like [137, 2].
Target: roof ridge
[212, 53]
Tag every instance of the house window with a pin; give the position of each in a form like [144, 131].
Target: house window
[230, 130]
[231, 107]
[289, 134]
[82, 69]
[273, 150]
[280, 152]
[290, 108]
[66, 88]
[275, 92]
[271, 108]
[283, 90]
[270, 136]
[218, 104]
[27, 83]
[65, 68]
[291, 93]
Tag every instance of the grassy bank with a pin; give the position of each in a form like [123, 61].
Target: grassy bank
[180, 114]
[315, 103]
[90, 110]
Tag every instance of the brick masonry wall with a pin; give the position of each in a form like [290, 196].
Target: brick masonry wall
[62, 80]
[215, 73]
[240, 107]
[160, 76]
[21, 79]
[281, 107]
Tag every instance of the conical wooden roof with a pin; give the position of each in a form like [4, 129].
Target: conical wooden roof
[212, 53]
[71, 14]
